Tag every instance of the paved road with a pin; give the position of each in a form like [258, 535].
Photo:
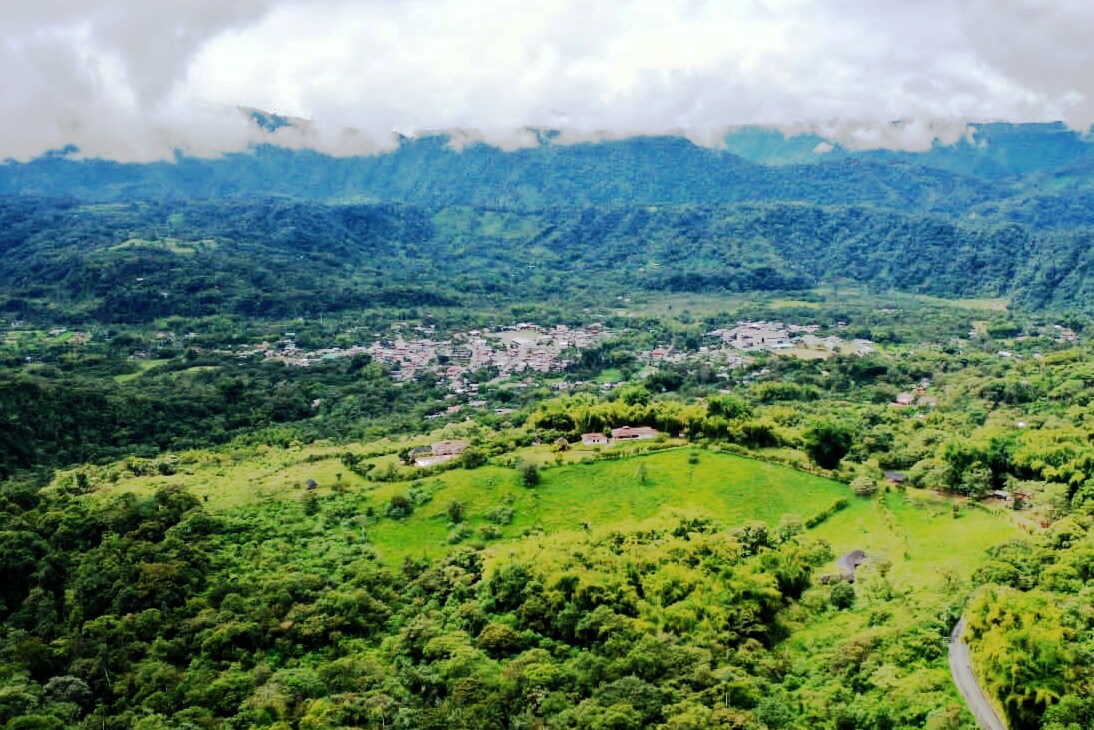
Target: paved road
[963, 677]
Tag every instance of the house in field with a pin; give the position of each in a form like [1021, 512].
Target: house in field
[904, 399]
[449, 448]
[633, 433]
[594, 439]
[441, 452]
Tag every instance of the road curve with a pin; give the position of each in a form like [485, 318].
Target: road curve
[963, 677]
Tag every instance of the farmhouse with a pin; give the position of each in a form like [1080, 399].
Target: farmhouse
[905, 399]
[439, 452]
[594, 439]
[635, 433]
[449, 448]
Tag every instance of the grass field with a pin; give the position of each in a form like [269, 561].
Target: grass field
[919, 534]
[916, 532]
[143, 366]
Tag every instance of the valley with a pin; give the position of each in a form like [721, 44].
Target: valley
[543, 439]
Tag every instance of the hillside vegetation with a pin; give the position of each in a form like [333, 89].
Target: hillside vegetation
[604, 436]
[673, 590]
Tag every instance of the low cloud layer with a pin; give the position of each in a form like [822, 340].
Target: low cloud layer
[142, 79]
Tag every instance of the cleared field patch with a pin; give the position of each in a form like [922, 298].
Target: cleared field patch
[921, 536]
[602, 496]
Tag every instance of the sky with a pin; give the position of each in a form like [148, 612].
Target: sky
[140, 80]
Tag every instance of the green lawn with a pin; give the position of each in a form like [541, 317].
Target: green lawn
[607, 495]
[610, 375]
[917, 534]
[143, 366]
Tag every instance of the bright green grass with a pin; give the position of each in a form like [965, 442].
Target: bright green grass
[923, 543]
[143, 367]
[918, 534]
[611, 375]
[604, 494]
[608, 495]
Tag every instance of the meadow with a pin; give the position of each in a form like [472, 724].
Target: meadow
[922, 535]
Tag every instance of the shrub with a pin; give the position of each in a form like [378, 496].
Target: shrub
[529, 475]
[459, 533]
[864, 486]
[399, 507]
[500, 515]
[842, 595]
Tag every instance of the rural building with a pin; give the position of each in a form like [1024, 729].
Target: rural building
[438, 453]
[594, 439]
[635, 433]
[905, 399]
[449, 448]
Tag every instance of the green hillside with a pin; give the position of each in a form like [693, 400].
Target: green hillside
[655, 590]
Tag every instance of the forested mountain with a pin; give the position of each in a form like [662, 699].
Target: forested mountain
[1005, 212]
[656, 170]
[136, 262]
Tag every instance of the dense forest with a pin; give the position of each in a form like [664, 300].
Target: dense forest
[142, 261]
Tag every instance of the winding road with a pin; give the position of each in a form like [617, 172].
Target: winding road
[963, 677]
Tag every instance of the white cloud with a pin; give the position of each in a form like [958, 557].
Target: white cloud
[137, 79]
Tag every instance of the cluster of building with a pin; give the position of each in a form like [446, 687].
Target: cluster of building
[286, 351]
[917, 396]
[523, 347]
[762, 336]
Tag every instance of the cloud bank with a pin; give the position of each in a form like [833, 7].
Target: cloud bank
[143, 79]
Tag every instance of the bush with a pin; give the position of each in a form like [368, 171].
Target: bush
[472, 458]
[500, 515]
[864, 486]
[399, 507]
[842, 595]
[529, 475]
[459, 533]
[489, 532]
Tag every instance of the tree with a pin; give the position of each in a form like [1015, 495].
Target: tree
[455, 512]
[529, 475]
[827, 442]
[399, 506]
[976, 482]
[728, 406]
[473, 458]
[842, 595]
[864, 486]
